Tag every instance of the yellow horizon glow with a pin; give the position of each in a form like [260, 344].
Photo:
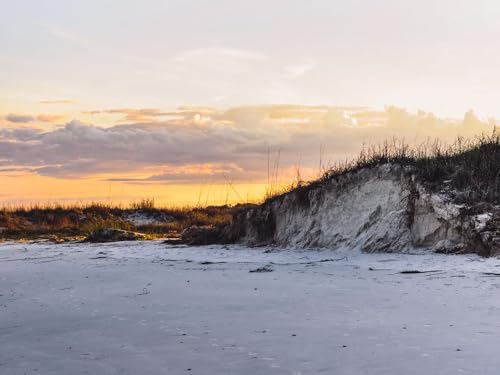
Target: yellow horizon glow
[42, 190]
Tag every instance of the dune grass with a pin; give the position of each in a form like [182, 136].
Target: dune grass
[79, 220]
[469, 169]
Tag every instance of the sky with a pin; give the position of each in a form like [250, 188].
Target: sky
[198, 102]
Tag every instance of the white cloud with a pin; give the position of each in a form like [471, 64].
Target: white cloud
[301, 68]
[217, 52]
[62, 34]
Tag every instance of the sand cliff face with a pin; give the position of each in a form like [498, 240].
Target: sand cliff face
[379, 209]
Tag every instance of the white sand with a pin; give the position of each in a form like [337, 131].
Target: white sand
[146, 308]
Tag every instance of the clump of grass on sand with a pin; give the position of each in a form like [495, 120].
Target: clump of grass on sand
[77, 221]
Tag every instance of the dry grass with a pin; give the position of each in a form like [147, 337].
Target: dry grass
[469, 168]
[79, 220]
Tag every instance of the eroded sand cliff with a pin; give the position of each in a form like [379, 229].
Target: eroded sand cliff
[384, 208]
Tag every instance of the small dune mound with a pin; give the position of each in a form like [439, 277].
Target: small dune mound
[114, 235]
[200, 235]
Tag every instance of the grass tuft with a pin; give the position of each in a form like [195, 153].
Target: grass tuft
[35, 221]
[469, 168]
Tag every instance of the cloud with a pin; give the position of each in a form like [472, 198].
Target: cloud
[19, 135]
[19, 119]
[200, 144]
[194, 173]
[62, 34]
[131, 114]
[151, 114]
[299, 69]
[60, 101]
[49, 118]
[217, 53]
